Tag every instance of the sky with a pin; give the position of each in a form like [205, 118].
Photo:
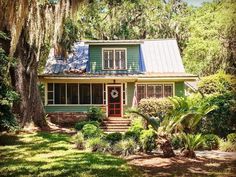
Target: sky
[196, 2]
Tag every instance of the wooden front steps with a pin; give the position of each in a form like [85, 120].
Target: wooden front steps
[115, 124]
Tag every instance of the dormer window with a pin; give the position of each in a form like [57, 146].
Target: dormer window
[114, 59]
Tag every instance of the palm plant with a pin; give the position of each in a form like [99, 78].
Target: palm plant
[188, 112]
[184, 117]
[191, 142]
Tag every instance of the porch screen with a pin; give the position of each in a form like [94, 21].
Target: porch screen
[60, 95]
[72, 93]
[84, 93]
[97, 92]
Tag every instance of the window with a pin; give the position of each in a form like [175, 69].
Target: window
[97, 91]
[154, 90]
[60, 93]
[168, 90]
[50, 93]
[108, 58]
[114, 59]
[141, 92]
[84, 93]
[72, 93]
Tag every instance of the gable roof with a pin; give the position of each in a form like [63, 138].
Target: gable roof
[160, 56]
[157, 57]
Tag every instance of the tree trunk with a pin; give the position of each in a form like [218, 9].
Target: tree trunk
[166, 147]
[188, 153]
[24, 80]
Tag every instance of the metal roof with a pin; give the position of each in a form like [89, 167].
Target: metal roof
[157, 57]
[160, 56]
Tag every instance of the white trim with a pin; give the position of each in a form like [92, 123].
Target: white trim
[46, 94]
[156, 83]
[114, 49]
[66, 92]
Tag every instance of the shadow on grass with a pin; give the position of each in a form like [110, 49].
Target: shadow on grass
[45, 154]
[9, 139]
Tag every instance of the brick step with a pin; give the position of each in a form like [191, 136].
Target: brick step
[114, 130]
[116, 122]
[116, 118]
[115, 125]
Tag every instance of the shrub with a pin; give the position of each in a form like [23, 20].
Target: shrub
[155, 107]
[134, 130]
[90, 130]
[96, 144]
[192, 142]
[125, 147]
[132, 135]
[222, 120]
[231, 137]
[113, 138]
[148, 140]
[79, 140]
[176, 142]
[227, 146]
[217, 83]
[211, 141]
[80, 125]
[95, 114]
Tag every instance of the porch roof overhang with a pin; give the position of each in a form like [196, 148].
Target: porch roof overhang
[152, 77]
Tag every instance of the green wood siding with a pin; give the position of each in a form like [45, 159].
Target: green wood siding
[67, 108]
[95, 56]
[130, 95]
[179, 88]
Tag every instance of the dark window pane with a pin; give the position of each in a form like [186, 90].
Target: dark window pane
[50, 86]
[117, 60]
[97, 92]
[108, 59]
[168, 90]
[111, 60]
[72, 93]
[122, 59]
[150, 91]
[84, 93]
[50, 101]
[60, 93]
[141, 92]
[50, 95]
[158, 91]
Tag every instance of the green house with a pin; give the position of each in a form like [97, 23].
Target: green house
[112, 74]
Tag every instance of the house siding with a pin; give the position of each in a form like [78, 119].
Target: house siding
[95, 58]
[130, 95]
[179, 89]
[67, 108]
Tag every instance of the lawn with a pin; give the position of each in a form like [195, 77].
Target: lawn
[52, 154]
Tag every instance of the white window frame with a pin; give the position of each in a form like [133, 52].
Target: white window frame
[155, 83]
[46, 96]
[114, 53]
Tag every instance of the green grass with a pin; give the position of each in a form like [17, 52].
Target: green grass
[46, 154]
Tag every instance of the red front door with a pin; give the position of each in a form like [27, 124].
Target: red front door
[114, 101]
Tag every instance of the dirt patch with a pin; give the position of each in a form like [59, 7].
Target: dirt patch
[156, 165]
